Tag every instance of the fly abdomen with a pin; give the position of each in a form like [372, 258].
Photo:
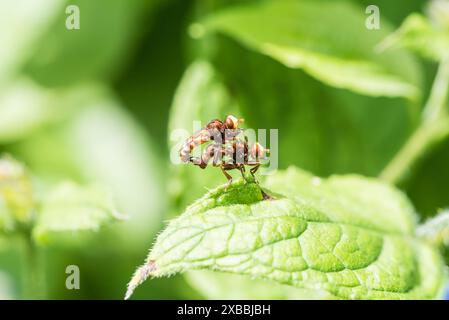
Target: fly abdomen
[192, 142]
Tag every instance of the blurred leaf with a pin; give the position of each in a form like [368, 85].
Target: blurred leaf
[348, 235]
[99, 142]
[72, 208]
[201, 93]
[24, 108]
[394, 12]
[417, 34]
[16, 195]
[119, 154]
[438, 12]
[291, 33]
[427, 187]
[96, 51]
[149, 82]
[6, 287]
[28, 20]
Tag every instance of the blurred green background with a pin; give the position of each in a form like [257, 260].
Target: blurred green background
[98, 105]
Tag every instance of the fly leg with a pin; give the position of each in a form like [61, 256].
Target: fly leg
[254, 169]
[242, 171]
[197, 161]
[227, 175]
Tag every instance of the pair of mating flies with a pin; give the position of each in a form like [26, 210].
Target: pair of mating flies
[227, 149]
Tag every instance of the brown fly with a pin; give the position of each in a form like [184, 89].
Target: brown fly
[227, 149]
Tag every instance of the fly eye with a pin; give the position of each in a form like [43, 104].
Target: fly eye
[214, 124]
[232, 122]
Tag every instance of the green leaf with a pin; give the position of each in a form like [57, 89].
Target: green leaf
[418, 34]
[228, 286]
[72, 208]
[29, 20]
[95, 51]
[348, 235]
[314, 36]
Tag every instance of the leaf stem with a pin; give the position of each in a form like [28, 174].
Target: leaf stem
[433, 129]
[32, 280]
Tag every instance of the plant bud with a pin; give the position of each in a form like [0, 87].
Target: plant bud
[15, 189]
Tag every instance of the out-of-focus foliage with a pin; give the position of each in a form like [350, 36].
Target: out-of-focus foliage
[290, 34]
[100, 46]
[78, 129]
[66, 208]
[92, 143]
[16, 196]
[30, 216]
[98, 106]
[418, 34]
[29, 21]
[427, 185]
[5, 287]
[24, 108]
[71, 208]
[438, 12]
